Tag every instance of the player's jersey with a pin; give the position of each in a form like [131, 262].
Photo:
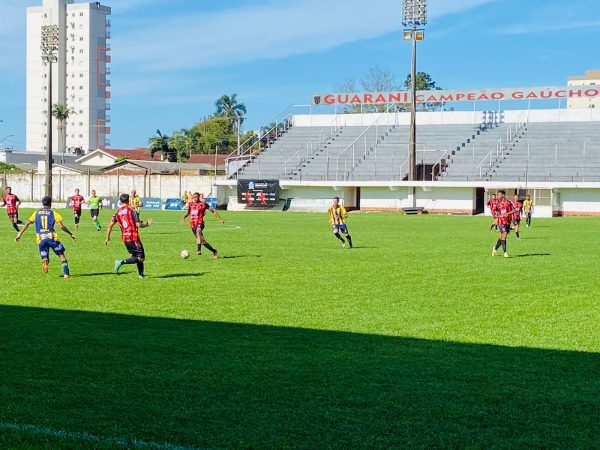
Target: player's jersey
[95, 202]
[337, 215]
[127, 218]
[527, 205]
[502, 208]
[492, 204]
[519, 207]
[136, 203]
[44, 220]
[77, 201]
[11, 203]
[197, 212]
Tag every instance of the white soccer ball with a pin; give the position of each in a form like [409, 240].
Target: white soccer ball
[185, 254]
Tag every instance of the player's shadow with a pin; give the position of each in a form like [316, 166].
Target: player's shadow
[97, 274]
[240, 256]
[527, 255]
[180, 275]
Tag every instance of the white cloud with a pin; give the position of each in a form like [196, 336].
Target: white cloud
[272, 29]
[545, 27]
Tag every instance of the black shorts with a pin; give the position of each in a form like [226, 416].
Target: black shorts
[77, 212]
[94, 212]
[516, 222]
[504, 228]
[195, 229]
[135, 249]
[13, 215]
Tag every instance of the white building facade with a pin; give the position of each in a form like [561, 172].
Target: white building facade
[80, 77]
[591, 78]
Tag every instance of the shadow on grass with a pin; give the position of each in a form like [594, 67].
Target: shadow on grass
[527, 255]
[224, 385]
[180, 275]
[97, 274]
[239, 256]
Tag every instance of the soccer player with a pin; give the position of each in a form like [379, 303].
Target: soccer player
[95, 204]
[77, 201]
[337, 219]
[516, 217]
[528, 210]
[196, 210]
[130, 223]
[136, 202]
[45, 220]
[503, 212]
[492, 204]
[12, 203]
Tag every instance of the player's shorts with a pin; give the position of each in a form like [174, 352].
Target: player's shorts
[195, 229]
[77, 212]
[516, 222]
[47, 244]
[94, 212]
[340, 227]
[504, 228]
[13, 215]
[135, 249]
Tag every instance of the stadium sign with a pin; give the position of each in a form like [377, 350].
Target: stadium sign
[443, 96]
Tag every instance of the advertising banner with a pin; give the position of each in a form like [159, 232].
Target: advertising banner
[257, 193]
[151, 203]
[173, 204]
[211, 201]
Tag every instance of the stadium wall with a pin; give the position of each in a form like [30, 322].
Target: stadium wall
[30, 187]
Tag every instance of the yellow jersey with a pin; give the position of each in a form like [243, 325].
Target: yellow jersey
[337, 215]
[527, 205]
[136, 203]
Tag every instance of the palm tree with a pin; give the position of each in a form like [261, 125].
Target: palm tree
[62, 113]
[229, 107]
[160, 143]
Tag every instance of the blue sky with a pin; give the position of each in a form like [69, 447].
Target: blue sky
[173, 59]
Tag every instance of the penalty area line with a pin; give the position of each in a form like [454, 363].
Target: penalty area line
[34, 430]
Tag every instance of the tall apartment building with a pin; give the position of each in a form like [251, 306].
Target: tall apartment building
[591, 77]
[80, 77]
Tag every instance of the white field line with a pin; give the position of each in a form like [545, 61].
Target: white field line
[87, 437]
[212, 227]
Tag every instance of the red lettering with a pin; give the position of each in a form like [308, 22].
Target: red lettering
[446, 98]
[471, 96]
[459, 97]
[497, 95]
[380, 99]
[432, 98]
[573, 93]
[560, 94]
[547, 94]
[344, 101]
[368, 98]
[329, 99]
[419, 98]
[532, 95]
[395, 98]
[355, 99]
[592, 93]
[517, 94]
[483, 96]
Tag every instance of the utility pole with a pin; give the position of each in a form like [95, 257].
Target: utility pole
[50, 37]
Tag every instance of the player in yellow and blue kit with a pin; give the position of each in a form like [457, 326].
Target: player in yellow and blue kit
[337, 218]
[45, 220]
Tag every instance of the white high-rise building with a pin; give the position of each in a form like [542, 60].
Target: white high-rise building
[80, 77]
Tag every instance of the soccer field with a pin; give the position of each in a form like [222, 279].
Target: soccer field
[417, 337]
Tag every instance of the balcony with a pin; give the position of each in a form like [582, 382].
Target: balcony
[107, 71]
[107, 94]
[108, 36]
[107, 59]
[107, 107]
[106, 130]
[108, 24]
[107, 118]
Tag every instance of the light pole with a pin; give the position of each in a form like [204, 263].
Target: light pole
[49, 55]
[414, 18]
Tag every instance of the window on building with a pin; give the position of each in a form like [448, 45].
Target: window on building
[81, 38]
[81, 88]
[81, 111]
[80, 75]
[81, 123]
[81, 135]
[80, 14]
[80, 50]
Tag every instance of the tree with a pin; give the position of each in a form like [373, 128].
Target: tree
[229, 107]
[424, 82]
[375, 80]
[160, 143]
[61, 113]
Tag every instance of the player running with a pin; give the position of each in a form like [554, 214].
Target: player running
[196, 210]
[77, 201]
[95, 204]
[528, 210]
[492, 205]
[136, 202]
[337, 219]
[503, 213]
[516, 217]
[12, 203]
[45, 220]
[130, 223]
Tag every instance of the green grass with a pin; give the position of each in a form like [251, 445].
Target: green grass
[415, 338]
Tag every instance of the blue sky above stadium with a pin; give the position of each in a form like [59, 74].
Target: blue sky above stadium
[172, 59]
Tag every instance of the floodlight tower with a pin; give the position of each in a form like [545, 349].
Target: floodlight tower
[50, 39]
[414, 18]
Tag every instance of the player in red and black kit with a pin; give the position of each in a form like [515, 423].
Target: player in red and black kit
[503, 213]
[492, 205]
[516, 217]
[12, 202]
[130, 223]
[196, 210]
[77, 202]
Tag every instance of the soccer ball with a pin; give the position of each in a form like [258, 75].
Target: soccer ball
[185, 254]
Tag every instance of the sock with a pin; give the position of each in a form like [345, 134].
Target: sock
[349, 239]
[15, 226]
[518, 234]
[492, 227]
[199, 248]
[503, 245]
[337, 235]
[97, 223]
[140, 267]
[208, 246]
[65, 266]
[131, 260]
[498, 244]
